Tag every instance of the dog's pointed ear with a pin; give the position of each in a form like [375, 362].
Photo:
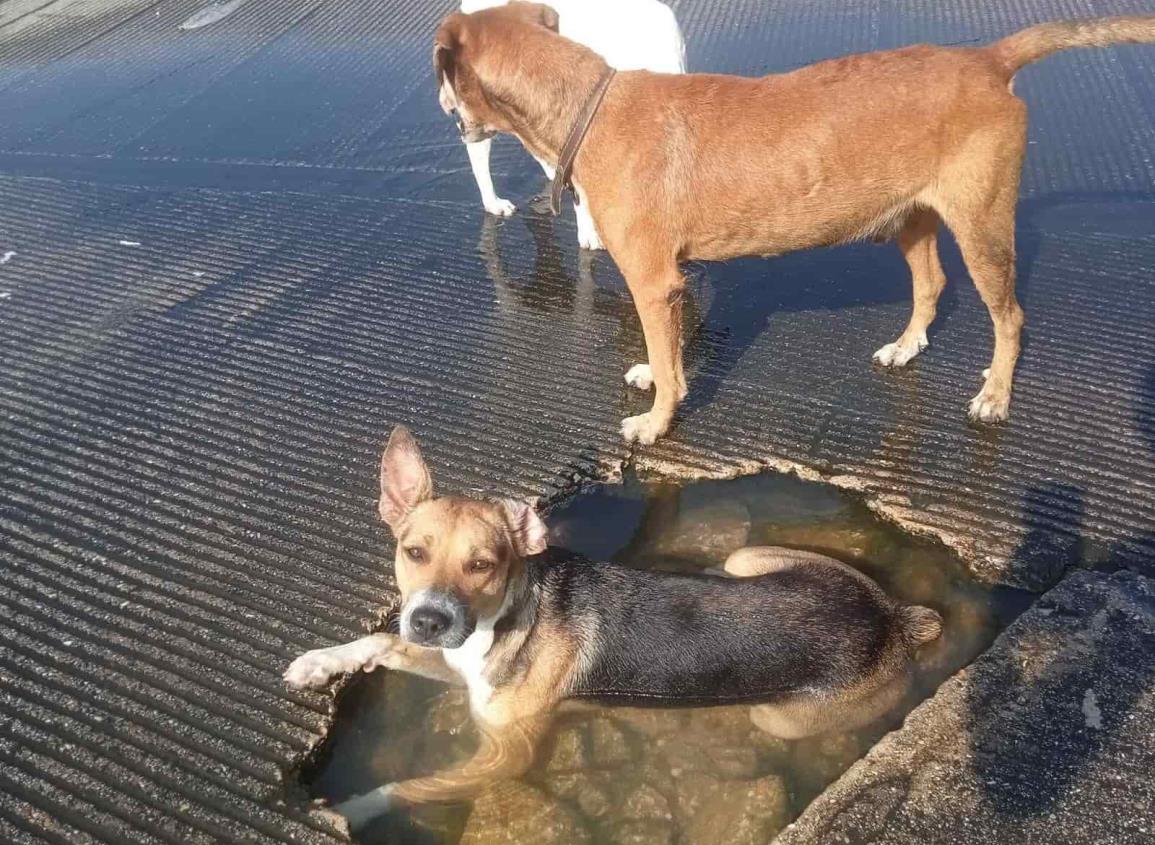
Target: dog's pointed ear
[530, 536]
[538, 13]
[445, 44]
[405, 481]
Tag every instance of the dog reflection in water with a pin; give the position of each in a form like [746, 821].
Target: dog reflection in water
[814, 644]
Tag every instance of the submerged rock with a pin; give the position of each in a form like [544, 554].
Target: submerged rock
[517, 813]
[736, 812]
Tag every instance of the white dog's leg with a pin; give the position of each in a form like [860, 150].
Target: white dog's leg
[587, 234]
[548, 168]
[479, 161]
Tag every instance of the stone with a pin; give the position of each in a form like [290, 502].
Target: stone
[585, 789]
[647, 832]
[609, 745]
[646, 802]
[516, 813]
[735, 812]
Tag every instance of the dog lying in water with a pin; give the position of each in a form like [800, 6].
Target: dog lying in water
[813, 643]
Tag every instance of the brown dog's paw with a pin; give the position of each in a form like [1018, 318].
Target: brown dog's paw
[990, 406]
[643, 429]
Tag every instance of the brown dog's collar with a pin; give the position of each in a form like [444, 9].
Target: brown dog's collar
[574, 141]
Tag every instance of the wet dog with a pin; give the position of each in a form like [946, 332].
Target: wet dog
[628, 34]
[812, 643]
[712, 167]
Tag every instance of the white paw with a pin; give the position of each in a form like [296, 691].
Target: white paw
[362, 809]
[499, 207]
[315, 668]
[640, 376]
[898, 354]
[590, 240]
[990, 406]
[643, 429]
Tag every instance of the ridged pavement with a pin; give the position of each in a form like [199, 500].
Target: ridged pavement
[243, 252]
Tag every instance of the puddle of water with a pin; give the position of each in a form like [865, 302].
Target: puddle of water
[660, 777]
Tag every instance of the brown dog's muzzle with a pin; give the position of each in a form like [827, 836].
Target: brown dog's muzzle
[470, 134]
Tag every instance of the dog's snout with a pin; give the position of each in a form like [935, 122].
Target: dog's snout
[429, 623]
[436, 619]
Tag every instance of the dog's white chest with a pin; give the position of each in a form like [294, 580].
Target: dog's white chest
[468, 661]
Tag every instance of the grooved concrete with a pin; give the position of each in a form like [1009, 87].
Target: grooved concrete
[242, 252]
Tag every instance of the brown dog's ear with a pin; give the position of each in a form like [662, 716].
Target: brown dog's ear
[445, 44]
[538, 13]
[530, 536]
[405, 481]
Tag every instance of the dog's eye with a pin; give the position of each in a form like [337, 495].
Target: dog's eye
[415, 553]
[480, 566]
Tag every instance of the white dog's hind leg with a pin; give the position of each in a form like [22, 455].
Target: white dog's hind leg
[549, 170]
[587, 234]
[479, 161]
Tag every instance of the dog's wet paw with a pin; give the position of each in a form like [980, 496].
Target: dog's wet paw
[362, 809]
[643, 429]
[314, 669]
[500, 207]
[900, 353]
[990, 406]
[640, 376]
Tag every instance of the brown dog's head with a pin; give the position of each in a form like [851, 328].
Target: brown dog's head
[456, 557]
[465, 58]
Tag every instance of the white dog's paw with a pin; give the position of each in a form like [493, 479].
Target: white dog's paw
[499, 207]
[640, 376]
[315, 668]
[643, 429]
[362, 809]
[899, 354]
[590, 239]
[992, 405]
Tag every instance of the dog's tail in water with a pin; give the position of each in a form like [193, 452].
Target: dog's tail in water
[920, 625]
[1038, 42]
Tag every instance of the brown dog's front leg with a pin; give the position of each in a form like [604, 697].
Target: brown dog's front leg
[658, 298]
[317, 667]
[505, 752]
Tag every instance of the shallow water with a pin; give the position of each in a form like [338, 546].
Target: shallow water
[662, 777]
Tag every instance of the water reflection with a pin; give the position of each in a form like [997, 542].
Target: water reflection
[610, 775]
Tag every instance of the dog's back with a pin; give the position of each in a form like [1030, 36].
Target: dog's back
[673, 639]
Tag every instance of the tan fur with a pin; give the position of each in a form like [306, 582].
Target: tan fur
[712, 167]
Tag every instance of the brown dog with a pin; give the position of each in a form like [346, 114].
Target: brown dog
[812, 643]
[711, 167]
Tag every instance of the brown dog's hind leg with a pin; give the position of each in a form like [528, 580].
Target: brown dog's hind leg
[919, 244]
[760, 560]
[976, 198]
[658, 289]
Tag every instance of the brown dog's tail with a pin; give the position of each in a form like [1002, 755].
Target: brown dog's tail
[919, 624]
[1038, 42]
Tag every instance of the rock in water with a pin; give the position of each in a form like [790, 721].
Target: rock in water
[515, 813]
[736, 812]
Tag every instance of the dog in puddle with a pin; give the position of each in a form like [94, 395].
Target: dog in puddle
[813, 644]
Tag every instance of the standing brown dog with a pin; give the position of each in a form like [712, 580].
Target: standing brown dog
[711, 167]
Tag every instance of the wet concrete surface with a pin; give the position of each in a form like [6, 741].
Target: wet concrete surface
[232, 257]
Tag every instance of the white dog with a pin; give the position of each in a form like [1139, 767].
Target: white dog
[629, 35]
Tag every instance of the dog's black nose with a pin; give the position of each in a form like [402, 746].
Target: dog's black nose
[429, 623]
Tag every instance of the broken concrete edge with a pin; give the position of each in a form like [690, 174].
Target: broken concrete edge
[864, 804]
[890, 507]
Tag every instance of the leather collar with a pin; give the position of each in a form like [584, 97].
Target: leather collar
[561, 177]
